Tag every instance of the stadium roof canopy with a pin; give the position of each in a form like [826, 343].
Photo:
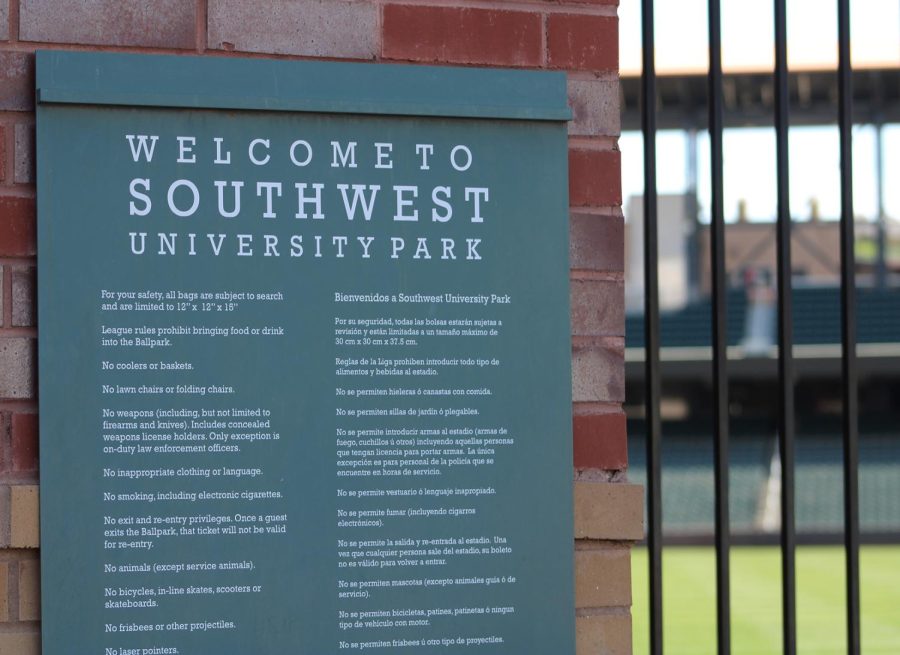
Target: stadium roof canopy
[750, 96]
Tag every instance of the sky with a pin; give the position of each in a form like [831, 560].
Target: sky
[748, 34]
[748, 44]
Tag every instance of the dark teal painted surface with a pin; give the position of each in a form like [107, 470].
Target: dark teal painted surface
[227, 83]
[85, 169]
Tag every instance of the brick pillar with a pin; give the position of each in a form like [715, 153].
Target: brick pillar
[577, 36]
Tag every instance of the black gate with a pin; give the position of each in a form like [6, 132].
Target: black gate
[786, 371]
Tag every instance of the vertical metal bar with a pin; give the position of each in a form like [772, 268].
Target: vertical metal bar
[720, 344]
[785, 338]
[651, 330]
[848, 331]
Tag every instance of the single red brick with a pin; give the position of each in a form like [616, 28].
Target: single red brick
[595, 178]
[462, 35]
[597, 308]
[25, 157]
[598, 374]
[2, 153]
[595, 107]
[600, 441]
[25, 442]
[5, 456]
[18, 373]
[596, 243]
[311, 28]
[24, 310]
[17, 227]
[16, 81]
[150, 23]
[580, 42]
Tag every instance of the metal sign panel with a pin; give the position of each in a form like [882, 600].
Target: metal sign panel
[304, 358]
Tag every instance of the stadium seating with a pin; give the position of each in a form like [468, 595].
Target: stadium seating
[820, 483]
[687, 449]
[816, 319]
[688, 494]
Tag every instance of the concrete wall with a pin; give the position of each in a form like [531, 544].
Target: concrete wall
[578, 36]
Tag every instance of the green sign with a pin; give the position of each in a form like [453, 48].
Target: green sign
[304, 358]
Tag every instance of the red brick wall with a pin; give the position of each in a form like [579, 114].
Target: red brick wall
[577, 36]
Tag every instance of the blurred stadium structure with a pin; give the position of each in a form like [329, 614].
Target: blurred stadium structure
[686, 315]
[755, 475]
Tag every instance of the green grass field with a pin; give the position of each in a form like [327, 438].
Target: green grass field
[689, 622]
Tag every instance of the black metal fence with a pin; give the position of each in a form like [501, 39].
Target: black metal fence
[786, 372]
